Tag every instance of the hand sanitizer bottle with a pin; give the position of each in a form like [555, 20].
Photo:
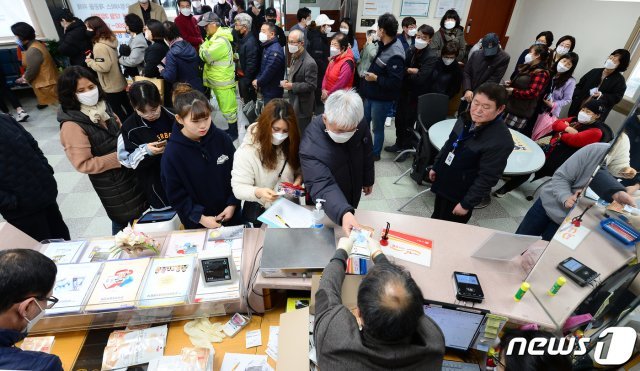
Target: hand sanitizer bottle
[318, 214]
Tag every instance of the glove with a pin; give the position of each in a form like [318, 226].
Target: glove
[346, 244]
[374, 246]
[124, 50]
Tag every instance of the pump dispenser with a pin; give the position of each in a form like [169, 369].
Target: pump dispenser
[318, 214]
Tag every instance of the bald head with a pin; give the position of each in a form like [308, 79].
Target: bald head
[390, 303]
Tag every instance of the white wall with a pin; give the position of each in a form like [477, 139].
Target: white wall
[397, 5]
[47, 28]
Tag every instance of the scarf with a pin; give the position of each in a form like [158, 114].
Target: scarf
[96, 113]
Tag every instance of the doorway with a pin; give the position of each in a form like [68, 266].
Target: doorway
[488, 16]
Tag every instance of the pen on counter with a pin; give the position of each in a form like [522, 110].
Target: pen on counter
[282, 221]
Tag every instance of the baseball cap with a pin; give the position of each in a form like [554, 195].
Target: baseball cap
[322, 20]
[490, 44]
[270, 12]
[594, 106]
[208, 17]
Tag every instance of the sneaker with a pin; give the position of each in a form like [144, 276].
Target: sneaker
[393, 149]
[376, 157]
[484, 203]
[387, 122]
[22, 116]
[499, 193]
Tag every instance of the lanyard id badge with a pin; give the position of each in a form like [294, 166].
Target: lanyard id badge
[461, 138]
[450, 158]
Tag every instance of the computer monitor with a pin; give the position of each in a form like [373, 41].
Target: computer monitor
[459, 325]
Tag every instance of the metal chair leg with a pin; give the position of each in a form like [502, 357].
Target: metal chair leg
[413, 198]
[402, 176]
[412, 150]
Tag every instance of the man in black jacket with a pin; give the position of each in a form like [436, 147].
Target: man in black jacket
[28, 189]
[74, 42]
[472, 160]
[249, 57]
[270, 15]
[336, 157]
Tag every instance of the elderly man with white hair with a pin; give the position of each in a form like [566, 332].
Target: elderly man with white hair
[336, 155]
[303, 76]
[248, 57]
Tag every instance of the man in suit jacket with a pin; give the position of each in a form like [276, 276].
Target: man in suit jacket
[303, 75]
[148, 10]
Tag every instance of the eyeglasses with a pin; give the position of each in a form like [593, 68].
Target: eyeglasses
[51, 301]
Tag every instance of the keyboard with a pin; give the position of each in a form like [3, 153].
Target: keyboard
[459, 366]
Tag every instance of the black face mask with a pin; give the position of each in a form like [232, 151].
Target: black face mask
[272, 20]
[90, 34]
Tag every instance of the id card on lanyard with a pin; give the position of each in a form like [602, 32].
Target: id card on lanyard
[461, 138]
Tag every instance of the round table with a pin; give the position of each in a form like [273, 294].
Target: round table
[520, 162]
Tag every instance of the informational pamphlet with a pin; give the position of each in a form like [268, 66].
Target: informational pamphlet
[117, 286]
[100, 250]
[409, 248]
[216, 293]
[63, 252]
[129, 348]
[185, 243]
[73, 283]
[38, 344]
[168, 282]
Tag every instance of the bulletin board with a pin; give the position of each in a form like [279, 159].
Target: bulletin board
[415, 8]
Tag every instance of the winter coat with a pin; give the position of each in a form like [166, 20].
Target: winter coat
[153, 56]
[389, 66]
[217, 54]
[105, 63]
[271, 70]
[340, 72]
[480, 69]
[138, 45]
[27, 184]
[369, 53]
[560, 95]
[612, 89]
[249, 63]
[189, 30]
[182, 65]
[303, 75]
[446, 79]
[443, 36]
[222, 11]
[249, 173]
[478, 164]
[157, 11]
[197, 176]
[528, 86]
[425, 61]
[14, 358]
[74, 43]
[318, 49]
[406, 44]
[336, 172]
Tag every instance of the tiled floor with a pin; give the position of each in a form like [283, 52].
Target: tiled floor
[86, 217]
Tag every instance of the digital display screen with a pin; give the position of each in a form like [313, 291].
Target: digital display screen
[463, 278]
[572, 265]
[458, 327]
[157, 216]
[216, 270]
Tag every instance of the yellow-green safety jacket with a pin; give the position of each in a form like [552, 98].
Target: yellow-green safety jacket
[217, 54]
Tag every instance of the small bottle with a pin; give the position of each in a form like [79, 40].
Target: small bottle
[521, 291]
[318, 214]
[556, 286]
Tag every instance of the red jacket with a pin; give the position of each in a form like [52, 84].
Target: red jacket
[189, 30]
[339, 73]
[585, 136]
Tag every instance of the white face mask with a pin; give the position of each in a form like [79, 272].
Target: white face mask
[344, 31]
[328, 29]
[148, 35]
[89, 98]
[197, 4]
[263, 37]
[528, 58]
[278, 138]
[375, 37]
[221, 2]
[293, 49]
[256, 4]
[583, 117]
[449, 24]
[412, 32]
[234, 8]
[421, 44]
[340, 137]
[538, 42]
[448, 61]
[562, 50]
[334, 51]
[609, 64]
[185, 11]
[143, 1]
[561, 67]
[32, 322]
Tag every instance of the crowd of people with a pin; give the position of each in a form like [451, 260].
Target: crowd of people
[324, 107]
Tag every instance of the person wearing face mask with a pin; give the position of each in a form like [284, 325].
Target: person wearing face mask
[219, 69]
[567, 136]
[318, 48]
[473, 159]
[248, 57]
[188, 25]
[543, 38]
[147, 10]
[104, 61]
[272, 65]
[27, 278]
[605, 84]
[420, 65]
[272, 16]
[89, 134]
[336, 158]
[526, 89]
[256, 11]
[383, 81]
[73, 42]
[181, 64]
[346, 27]
[196, 165]
[341, 67]
[41, 71]
[564, 45]
[199, 8]
[450, 30]
[304, 21]
[369, 51]
[409, 31]
[132, 55]
[223, 10]
[144, 138]
[303, 76]
[156, 52]
[447, 74]
[267, 156]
